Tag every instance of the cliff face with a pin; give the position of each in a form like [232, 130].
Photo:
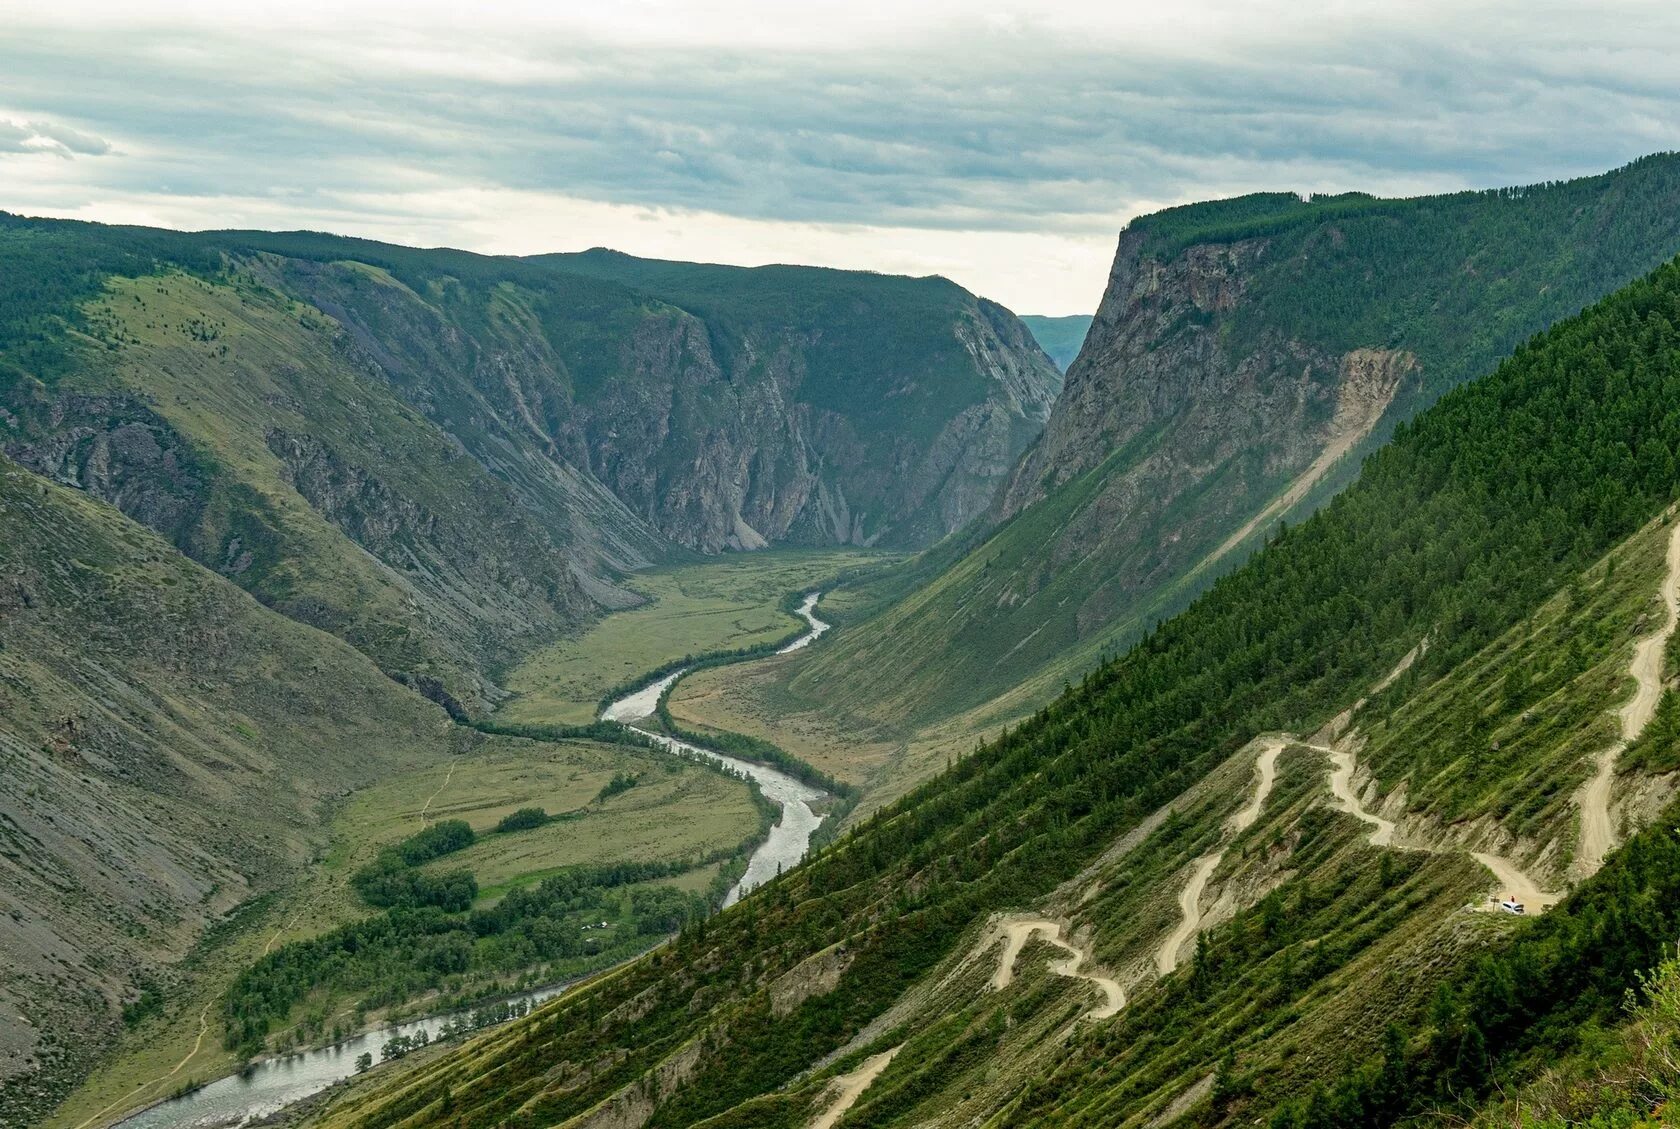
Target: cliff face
[805, 405]
[1243, 352]
[811, 407]
[1165, 453]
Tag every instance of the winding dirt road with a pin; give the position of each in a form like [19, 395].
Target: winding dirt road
[1514, 882]
[1190, 898]
[1342, 767]
[1015, 935]
[849, 1088]
[1190, 914]
[1598, 829]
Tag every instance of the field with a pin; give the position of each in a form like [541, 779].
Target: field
[720, 604]
[675, 811]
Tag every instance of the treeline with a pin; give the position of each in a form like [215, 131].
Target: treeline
[391, 880]
[607, 732]
[396, 955]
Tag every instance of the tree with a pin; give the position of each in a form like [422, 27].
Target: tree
[364, 1062]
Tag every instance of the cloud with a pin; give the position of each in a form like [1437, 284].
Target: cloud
[903, 128]
[48, 137]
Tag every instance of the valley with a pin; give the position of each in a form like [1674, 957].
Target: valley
[675, 812]
[583, 691]
[1235, 872]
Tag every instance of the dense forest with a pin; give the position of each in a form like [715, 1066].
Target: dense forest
[1478, 511]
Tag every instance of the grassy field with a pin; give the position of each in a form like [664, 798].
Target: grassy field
[676, 811]
[723, 603]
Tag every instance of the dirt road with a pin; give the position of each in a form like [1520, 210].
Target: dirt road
[1598, 829]
[1015, 935]
[1341, 786]
[1190, 914]
[849, 1088]
[1190, 898]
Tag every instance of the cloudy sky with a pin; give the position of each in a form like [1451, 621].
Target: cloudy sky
[1000, 144]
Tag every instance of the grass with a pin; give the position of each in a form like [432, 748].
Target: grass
[676, 811]
[722, 603]
[744, 698]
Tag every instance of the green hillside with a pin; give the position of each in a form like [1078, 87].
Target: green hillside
[171, 750]
[1340, 975]
[1060, 337]
[1246, 356]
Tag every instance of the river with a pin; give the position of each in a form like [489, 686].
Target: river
[276, 1083]
[791, 837]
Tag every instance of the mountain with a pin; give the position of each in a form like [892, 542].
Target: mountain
[170, 751]
[448, 459]
[1246, 354]
[878, 409]
[1232, 876]
[1060, 337]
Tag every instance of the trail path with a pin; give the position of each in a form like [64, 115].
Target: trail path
[1514, 882]
[427, 806]
[1342, 767]
[1190, 898]
[1016, 933]
[850, 1087]
[203, 1026]
[203, 1029]
[1598, 829]
[1190, 910]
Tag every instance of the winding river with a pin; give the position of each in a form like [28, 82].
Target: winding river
[273, 1084]
[791, 837]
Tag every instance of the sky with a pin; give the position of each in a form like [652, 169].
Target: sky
[1003, 145]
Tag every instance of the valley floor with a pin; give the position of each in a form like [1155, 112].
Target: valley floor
[675, 812]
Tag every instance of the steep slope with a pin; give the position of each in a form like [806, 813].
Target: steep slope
[1529, 502]
[1060, 337]
[879, 409]
[1244, 354]
[170, 748]
[358, 432]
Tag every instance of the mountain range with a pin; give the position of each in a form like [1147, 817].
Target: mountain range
[1280, 708]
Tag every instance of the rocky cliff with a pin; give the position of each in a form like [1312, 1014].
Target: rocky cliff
[808, 405]
[1244, 354]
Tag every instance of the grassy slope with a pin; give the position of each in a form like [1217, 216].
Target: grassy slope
[171, 749]
[1509, 734]
[1464, 528]
[1458, 280]
[370, 515]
